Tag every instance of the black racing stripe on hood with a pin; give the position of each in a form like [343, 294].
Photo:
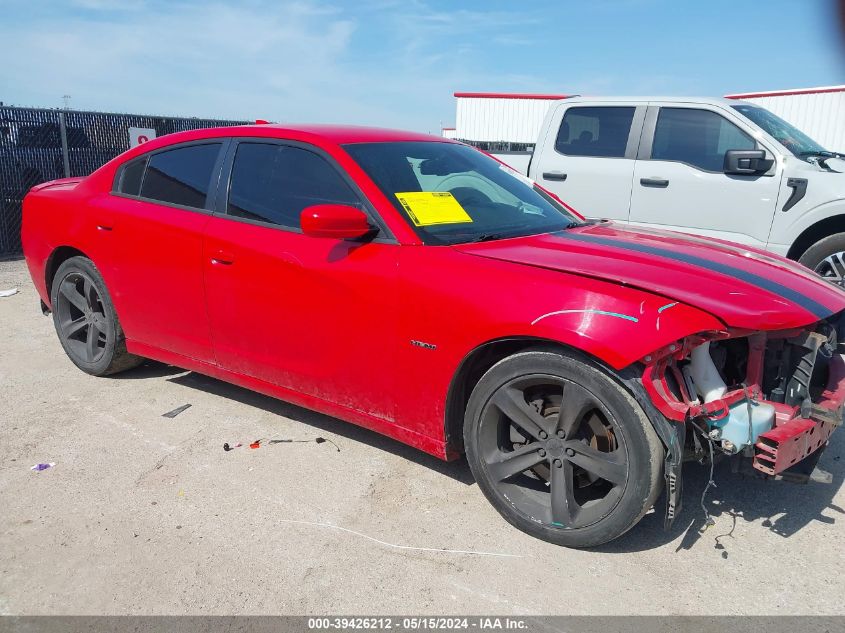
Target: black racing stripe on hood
[774, 287]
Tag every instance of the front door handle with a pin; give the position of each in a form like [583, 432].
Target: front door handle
[654, 182]
[223, 258]
[554, 175]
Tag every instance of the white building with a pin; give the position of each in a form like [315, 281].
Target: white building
[504, 123]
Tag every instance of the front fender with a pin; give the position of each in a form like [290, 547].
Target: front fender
[621, 330]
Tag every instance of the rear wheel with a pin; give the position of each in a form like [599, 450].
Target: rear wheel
[827, 258]
[86, 321]
[561, 449]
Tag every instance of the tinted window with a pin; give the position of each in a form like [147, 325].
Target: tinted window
[182, 175]
[697, 137]
[595, 131]
[274, 183]
[133, 173]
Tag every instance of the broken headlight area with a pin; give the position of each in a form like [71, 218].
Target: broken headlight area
[774, 397]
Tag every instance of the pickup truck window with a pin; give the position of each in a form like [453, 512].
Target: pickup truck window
[595, 131]
[697, 137]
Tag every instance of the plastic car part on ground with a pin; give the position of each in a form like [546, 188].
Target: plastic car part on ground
[9, 292]
[43, 466]
[176, 411]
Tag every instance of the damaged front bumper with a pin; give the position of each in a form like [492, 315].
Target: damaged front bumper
[798, 373]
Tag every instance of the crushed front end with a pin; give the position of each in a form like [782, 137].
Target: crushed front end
[771, 399]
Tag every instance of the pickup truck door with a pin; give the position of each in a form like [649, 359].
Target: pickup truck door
[588, 157]
[679, 182]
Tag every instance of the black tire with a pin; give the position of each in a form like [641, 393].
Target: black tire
[86, 321]
[588, 417]
[827, 258]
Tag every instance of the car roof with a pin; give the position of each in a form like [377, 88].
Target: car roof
[336, 134]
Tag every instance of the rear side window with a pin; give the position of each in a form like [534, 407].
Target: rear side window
[274, 183]
[130, 179]
[697, 137]
[595, 131]
[181, 176]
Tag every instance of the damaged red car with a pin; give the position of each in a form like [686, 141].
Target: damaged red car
[417, 287]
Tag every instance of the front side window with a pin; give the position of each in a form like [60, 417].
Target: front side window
[595, 131]
[274, 183]
[181, 176]
[451, 193]
[697, 137]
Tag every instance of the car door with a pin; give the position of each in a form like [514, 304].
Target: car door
[590, 164]
[314, 315]
[679, 182]
[154, 222]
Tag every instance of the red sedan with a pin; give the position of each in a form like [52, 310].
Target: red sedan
[417, 287]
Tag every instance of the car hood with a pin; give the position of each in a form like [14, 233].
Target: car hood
[744, 288]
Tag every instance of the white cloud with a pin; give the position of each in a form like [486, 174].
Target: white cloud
[393, 64]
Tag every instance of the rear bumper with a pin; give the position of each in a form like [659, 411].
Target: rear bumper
[794, 438]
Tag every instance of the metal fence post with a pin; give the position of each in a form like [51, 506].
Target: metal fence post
[63, 132]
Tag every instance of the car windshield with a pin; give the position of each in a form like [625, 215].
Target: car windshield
[452, 193]
[784, 133]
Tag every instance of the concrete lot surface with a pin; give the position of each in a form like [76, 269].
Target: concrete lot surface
[148, 515]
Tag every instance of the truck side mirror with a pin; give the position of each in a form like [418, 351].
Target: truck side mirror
[747, 162]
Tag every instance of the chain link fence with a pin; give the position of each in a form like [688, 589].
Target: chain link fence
[37, 145]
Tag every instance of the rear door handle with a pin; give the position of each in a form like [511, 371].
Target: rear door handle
[654, 182]
[554, 175]
[223, 258]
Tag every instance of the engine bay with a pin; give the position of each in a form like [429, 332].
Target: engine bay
[774, 397]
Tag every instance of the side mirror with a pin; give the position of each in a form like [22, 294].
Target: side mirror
[747, 162]
[336, 221]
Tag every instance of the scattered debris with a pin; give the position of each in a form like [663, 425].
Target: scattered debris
[39, 467]
[9, 292]
[258, 443]
[176, 411]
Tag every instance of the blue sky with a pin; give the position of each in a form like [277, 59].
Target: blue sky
[397, 62]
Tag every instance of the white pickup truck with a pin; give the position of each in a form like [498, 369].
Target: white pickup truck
[716, 167]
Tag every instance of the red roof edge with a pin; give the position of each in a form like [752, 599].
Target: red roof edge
[507, 95]
[786, 93]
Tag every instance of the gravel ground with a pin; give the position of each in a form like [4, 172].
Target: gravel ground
[148, 515]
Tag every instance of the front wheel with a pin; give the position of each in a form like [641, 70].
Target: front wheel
[561, 449]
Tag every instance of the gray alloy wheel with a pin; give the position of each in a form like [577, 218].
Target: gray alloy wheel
[832, 268]
[561, 449]
[827, 258]
[86, 321]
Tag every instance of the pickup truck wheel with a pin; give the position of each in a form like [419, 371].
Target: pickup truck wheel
[86, 321]
[827, 258]
[561, 449]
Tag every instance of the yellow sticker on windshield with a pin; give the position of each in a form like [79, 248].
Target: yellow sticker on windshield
[426, 208]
